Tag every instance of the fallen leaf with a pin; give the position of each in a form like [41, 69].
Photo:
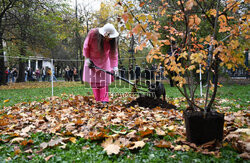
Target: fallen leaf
[6, 100]
[245, 155]
[72, 139]
[48, 157]
[137, 144]
[44, 145]
[18, 139]
[163, 144]
[110, 147]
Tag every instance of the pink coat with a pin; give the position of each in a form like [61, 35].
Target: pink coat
[105, 61]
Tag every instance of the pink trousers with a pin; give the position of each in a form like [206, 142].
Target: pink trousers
[101, 93]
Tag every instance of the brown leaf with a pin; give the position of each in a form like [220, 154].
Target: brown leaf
[163, 144]
[17, 150]
[110, 147]
[48, 157]
[245, 155]
[56, 142]
[209, 144]
[18, 139]
[146, 132]
[86, 147]
[25, 142]
[44, 145]
[28, 151]
[137, 144]
[160, 132]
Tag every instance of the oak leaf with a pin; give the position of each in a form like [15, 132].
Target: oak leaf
[18, 139]
[137, 144]
[111, 147]
[163, 144]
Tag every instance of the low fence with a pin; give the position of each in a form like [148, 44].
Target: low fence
[53, 70]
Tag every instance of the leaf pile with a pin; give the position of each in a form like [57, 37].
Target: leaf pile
[115, 125]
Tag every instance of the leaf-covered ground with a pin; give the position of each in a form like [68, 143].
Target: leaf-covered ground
[115, 127]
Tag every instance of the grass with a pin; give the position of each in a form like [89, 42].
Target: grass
[90, 151]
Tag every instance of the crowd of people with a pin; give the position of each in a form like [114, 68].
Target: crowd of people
[72, 74]
[11, 75]
[43, 74]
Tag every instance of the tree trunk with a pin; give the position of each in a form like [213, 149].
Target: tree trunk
[2, 65]
[21, 74]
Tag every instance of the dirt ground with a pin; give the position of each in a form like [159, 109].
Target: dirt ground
[149, 102]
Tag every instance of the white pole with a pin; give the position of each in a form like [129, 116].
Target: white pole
[29, 63]
[200, 82]
[52, 74]
[36, 65]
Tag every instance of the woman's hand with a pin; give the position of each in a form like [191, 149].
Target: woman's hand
[115, 69]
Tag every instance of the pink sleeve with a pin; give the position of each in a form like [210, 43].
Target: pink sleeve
[114, 59]
[86, 45]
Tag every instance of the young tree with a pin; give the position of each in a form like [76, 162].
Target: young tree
[207, 34]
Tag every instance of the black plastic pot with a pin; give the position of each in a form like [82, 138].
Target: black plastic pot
[202, 128]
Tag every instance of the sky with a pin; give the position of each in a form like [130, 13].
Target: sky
[94, 4]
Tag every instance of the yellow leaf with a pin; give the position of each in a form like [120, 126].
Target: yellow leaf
[212, 12]
[150, 18]
[201, 39]
[208, 38]
[128, 26]
[6, 100]
[190, 68]
[143, 18]
[229, 66]
[72, 139]
[171, 128]
[198, 71]
[178, 148]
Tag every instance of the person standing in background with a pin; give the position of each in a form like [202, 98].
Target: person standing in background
[137, 71]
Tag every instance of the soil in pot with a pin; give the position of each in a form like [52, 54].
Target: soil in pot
[202, 128]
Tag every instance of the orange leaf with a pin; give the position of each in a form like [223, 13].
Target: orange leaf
[125, 17]
[6, 100]
[142, 4]
[146, 132]
[189, 4]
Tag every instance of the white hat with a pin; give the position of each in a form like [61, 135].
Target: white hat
[108, 30]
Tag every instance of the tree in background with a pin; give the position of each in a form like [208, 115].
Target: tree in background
[5, 6]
